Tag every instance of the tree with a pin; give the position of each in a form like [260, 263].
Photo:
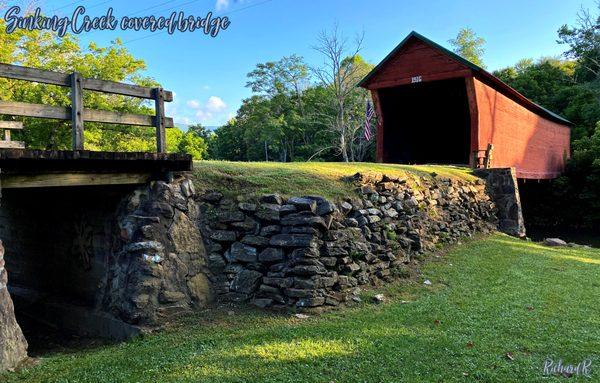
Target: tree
[191, 144]
[280, 84]
[469, 46]
[340, 73]
[42, 49]
[289, 76]
[356, 107]
[200, 131]
[228, 145]
[583, 40]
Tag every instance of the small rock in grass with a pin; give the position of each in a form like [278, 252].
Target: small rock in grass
[356, 299]
[554, 242]
[427, 282]
[379, 298]
[301, 316]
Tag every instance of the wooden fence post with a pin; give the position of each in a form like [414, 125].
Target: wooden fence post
[159, 102]
[77, 111]
[488, 156]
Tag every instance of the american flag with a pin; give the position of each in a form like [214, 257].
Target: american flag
[368, 116]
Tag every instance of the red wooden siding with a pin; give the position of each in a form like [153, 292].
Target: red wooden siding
[534, 145]
[416, 59]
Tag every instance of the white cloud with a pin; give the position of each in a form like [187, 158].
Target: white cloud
[215, 104]
[194, 104]
[204, 115]
[183, 120]
[212, 112]
[221, 5]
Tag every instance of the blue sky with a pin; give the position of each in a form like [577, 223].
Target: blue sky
[208, 74]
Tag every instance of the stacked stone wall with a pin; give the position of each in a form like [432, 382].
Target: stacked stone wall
[309, 251]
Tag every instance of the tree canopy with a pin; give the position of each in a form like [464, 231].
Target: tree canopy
[42, 49]
[469, 46]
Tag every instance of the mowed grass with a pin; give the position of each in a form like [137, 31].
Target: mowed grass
[489, 297]
[303, 178]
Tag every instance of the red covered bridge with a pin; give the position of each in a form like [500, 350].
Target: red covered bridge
[434, 106]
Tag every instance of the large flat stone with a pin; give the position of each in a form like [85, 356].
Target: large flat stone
[13, 346]
[293, 240]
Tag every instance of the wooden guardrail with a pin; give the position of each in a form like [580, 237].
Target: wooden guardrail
[77, 113]
[8, 143]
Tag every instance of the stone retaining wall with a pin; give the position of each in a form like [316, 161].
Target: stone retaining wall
[503, 189]
[158, 268]
[174, 250]
[309, 251]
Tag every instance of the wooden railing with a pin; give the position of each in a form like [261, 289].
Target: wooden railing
[77, 113]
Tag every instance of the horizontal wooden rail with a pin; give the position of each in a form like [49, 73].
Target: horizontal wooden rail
[8, 143]
[18, 125]
[62, 79]
[77, 113]
[92, 115]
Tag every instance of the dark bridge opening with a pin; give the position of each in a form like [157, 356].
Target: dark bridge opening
[58, 242]
[426, 123]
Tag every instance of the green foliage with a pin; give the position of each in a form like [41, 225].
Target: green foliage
[581, 183]
[469, 46]
[573, 200]
[41, 49]
[286, 76]
[186, 143]
[390, 233]
[291, 117]
[200, 131]
[583, 40]
[489, 298]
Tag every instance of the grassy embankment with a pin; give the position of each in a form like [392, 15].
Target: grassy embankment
[497, 308]
[303, 178]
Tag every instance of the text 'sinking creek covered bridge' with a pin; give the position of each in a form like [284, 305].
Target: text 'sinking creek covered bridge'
[436, 107]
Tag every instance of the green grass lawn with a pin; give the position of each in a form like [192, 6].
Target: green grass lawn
[302, 178]
[489, 297]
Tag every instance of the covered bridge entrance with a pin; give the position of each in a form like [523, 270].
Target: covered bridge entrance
[433, 106]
